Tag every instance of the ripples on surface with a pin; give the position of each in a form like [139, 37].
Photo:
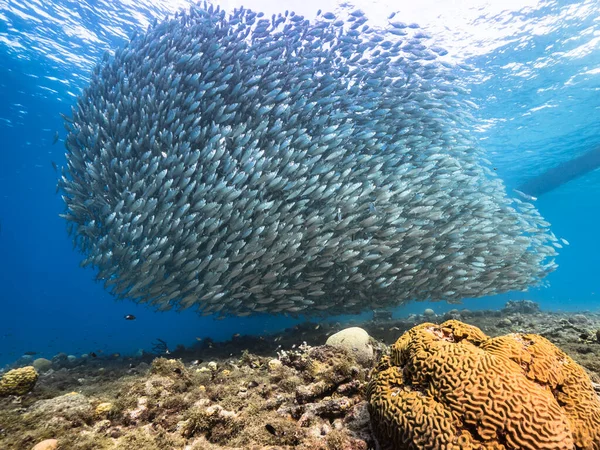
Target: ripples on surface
[535, 78]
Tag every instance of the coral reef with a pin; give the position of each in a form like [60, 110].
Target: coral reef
[18, 381]
[311, 398]
[277, 392]
[451, 386]
[521, 306]
[42, 364]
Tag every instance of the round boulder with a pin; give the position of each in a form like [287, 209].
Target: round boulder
[48, 444]
[42, 364]
[356, 341]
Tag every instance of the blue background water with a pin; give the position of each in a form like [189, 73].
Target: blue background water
[536, 80]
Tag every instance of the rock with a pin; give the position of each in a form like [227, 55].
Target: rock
[311, 392]
[521, 306]
[379, 314]
[72, 358]
[578, 319]
[358, 422]
[168, 368]
[102, 426]
[504, 323]
[453, 314]
[48, 444]
[356, 341]
[349, 389]
[18, 381]
[60, 358]
[142, 407]
[329, 408]
[71, 407]
[429, 312]
[103, 409]
[274, 364]
[42, 364]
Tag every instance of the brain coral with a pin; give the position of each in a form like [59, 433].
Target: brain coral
[18, 381]
[451, 387]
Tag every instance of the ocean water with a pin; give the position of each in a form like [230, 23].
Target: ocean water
[534, 76]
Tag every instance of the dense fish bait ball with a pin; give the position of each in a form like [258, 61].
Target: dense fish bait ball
[245, 164]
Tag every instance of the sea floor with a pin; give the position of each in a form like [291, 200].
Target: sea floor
[281, 391]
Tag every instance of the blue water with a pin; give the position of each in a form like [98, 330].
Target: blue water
[536, 80]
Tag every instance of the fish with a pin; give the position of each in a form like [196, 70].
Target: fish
[525, 196]
[54, 166]
[289, 166]
[129, 317]
[55, 138]
[271, 429]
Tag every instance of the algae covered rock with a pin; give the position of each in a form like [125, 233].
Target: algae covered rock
[103, 409]
[73, 408]
[42, 364]
[169, 375]
[356, 341]
[274, 365]
[451, 386]
[169, 368]
[18, 381]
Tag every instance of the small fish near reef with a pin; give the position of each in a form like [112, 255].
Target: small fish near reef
[129, 317]
[271, 429]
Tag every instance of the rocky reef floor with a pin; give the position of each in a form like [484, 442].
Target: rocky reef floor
[280, 391]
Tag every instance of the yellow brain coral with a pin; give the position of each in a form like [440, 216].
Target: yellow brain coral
[451, 387]
[18, 381]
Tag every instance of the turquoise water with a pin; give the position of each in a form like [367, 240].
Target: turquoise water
[533, 73]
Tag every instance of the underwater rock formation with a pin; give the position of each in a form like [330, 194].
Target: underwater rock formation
[18, 381]
[240, 164]
[450, 386]
[274, 392]
[356, 341]
[46, 444]
[42, 364]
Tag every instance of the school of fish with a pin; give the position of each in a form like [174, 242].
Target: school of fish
[242, 164]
